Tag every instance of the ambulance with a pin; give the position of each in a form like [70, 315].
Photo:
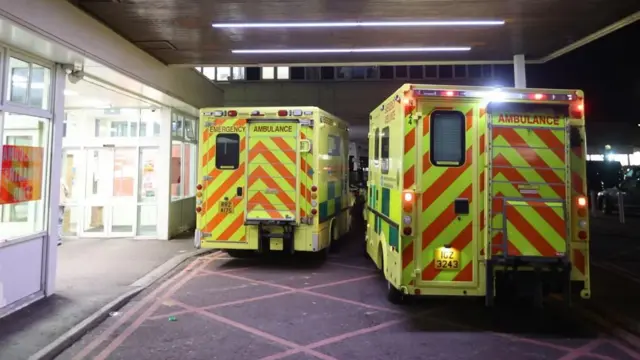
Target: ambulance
[477, 191]
[271, 179]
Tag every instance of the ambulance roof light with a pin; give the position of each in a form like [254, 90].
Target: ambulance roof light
[232, 113]
[218, 113]
[283, 113]
[296, 112]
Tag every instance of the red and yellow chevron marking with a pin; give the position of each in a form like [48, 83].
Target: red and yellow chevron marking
[579, 261]
[306, 173]
[522, 157]
[439, 224]
[223, 227]
[271, 187]
[409, 180]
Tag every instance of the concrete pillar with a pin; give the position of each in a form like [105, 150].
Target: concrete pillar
[519, 71]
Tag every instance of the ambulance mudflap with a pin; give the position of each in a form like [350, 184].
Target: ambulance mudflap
[272, 176]
[529, 186]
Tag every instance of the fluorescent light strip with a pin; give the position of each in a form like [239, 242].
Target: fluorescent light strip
[346, 51]
[359, 24]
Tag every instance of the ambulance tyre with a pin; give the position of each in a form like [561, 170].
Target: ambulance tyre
[394, 295]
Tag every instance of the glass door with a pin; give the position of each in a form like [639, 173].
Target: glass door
[98, 188]
[148, 193]
[110, 203]
[123, 198]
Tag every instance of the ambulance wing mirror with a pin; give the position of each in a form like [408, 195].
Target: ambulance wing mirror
[305, 146]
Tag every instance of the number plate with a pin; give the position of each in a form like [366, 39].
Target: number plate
[226, 207]
[447, 259]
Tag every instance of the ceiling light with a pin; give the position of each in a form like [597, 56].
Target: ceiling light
[354, 50]
[68, 92]
[358, 24]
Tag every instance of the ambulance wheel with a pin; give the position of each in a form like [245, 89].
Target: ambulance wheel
[394, 295]
[334, 244]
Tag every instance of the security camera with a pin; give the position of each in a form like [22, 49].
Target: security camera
[75, 76]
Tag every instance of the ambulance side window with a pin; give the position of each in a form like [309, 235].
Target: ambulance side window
[447, 138]
[385, 150]
[227, 151]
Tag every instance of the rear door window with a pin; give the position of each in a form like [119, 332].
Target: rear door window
[227, 151]
[447, 138]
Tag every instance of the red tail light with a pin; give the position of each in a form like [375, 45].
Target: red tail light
[314, 188]
[577, 110]
[582, 235]
[283, 113]
[198, 209]
[314, 211]
[199, 187]
[407, 231]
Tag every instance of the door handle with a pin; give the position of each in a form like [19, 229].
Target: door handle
[239, 191]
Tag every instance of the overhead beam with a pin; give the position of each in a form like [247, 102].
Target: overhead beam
[593, 37]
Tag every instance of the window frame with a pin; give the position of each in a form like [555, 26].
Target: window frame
[385, 135]
[463, 140]
[376, 145]
[237, 158]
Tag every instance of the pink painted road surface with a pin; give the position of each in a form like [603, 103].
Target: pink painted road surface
[300, 308]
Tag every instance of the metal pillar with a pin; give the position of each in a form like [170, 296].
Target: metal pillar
[519, 71]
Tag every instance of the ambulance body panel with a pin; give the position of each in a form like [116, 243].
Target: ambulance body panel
[469, 185]
[271, 179]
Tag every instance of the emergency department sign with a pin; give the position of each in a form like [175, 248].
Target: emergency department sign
[21, 176]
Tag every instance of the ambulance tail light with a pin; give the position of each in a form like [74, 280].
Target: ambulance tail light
[582, 203]
[408, 198]
[198, 209]
[408, 206]
[577, 110]
[199, 187]
[232, 113]
[283, 113]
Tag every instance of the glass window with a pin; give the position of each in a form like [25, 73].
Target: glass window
[23, 208]
[333, 146]
[401, 72]
[227, 151]
[312, 73]
[209, 72]
[474, 71]
[373, 72]
[19, 72]
[177, 121]
[447, 138]
[416, 72]
[149, 178]
[124, 172]
[39, 87]
[386, 72]
[384, 149]
[150, 123]
[190, 162]
[30, 84]
[223, 73]
[460, 71]
[297, 73]
[283, 72]
[327, 73]
[177, 191]
[358, 72]
[445, 71]
[431, 71]
[190, 129]
[238, 73]
[268, 73]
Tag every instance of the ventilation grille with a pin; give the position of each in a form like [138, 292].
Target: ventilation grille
[155, 45]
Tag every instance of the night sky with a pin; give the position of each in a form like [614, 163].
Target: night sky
[609, 74]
